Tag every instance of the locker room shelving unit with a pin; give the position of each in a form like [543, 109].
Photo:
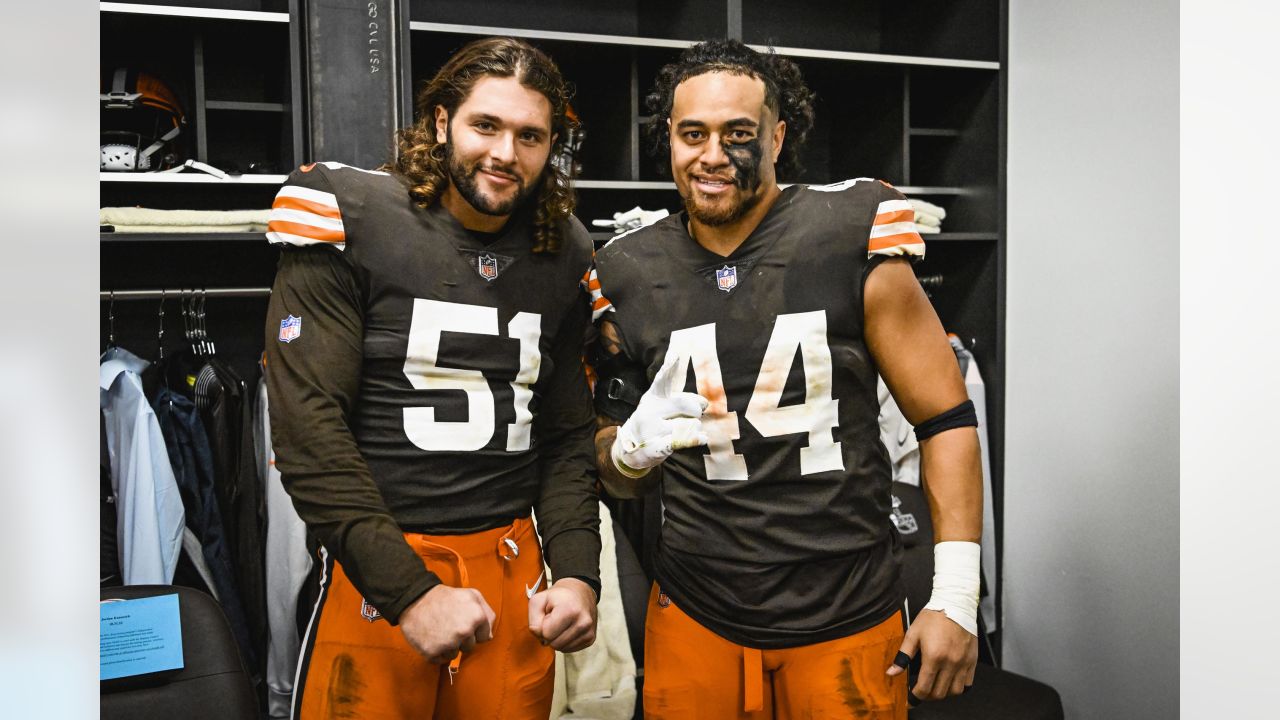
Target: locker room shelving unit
[912, 93]
[233, 68]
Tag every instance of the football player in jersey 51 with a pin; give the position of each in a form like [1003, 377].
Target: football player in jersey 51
[740, 345]
[428, 400]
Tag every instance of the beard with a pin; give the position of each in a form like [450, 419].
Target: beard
[722, 213]
[463, 177]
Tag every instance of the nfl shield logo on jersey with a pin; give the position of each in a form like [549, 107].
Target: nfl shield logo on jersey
[727, 278]
[290, 329]
[368, 612]
[488, 267]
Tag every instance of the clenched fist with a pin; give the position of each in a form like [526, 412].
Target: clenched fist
[564, 615]
[445, 620]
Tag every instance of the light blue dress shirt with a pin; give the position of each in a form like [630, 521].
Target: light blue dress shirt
[151, 519]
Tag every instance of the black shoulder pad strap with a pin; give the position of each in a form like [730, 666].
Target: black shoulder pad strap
[619, 385]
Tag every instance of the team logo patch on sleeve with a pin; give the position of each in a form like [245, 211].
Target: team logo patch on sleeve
[727, 277]
[368, 612]
[290, 329]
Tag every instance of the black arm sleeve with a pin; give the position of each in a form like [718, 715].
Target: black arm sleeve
[568, 504]
[312, 384]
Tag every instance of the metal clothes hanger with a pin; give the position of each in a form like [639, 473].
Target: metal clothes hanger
[111, 321]
[205, 339]
[160, 332]
[187, 335]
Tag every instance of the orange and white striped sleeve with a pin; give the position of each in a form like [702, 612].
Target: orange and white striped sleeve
[305, 212]
[893, 232]
[599, 303]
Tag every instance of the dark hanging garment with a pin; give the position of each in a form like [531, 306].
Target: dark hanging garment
[192, 461]
[226, 409]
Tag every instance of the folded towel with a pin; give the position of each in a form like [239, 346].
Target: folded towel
[927, 208]
[599, 683]
[245, 228]
[154, 219]
[926, 220]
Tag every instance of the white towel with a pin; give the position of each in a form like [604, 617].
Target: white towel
[923, 207]
[927, 220]
[599, 683]
[247, 228]
[152, 220]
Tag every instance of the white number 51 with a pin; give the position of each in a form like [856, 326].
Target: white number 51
[430, 319]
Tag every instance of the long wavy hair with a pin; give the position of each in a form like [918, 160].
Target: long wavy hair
[785, 93]
[422, 160]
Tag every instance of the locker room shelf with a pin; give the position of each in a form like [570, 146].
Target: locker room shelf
[623, 185]
[960, 237]
[423, 26]
[194, 12]
[659, 185]
[633, 41]
[881, 58]
[188, 178]
[115, 237]
[600, 237]
[245, 106]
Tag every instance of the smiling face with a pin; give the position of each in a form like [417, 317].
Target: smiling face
[725, 143]
[496, 147]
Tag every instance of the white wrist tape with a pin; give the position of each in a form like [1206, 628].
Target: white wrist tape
[956, 570]
[614, 452]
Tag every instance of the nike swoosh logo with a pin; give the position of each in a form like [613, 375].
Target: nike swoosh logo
[529, 591]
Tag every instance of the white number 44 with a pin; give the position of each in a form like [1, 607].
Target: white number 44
[817, 416]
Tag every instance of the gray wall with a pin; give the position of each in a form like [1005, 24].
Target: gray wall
[1091, 475]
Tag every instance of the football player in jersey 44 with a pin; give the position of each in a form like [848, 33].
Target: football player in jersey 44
[428, 400]
[778, 591]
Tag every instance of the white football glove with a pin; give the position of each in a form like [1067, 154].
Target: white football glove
[662, 423]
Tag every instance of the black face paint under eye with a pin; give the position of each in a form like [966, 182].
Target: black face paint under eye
[745, 157]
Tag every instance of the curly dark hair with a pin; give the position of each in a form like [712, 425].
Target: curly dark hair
[422, 160]
[784, 92]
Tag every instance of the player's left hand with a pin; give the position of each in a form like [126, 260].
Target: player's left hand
[564, 615]
[948, 656]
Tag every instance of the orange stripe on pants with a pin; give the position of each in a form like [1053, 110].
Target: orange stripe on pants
[365, 669]
[691, 672]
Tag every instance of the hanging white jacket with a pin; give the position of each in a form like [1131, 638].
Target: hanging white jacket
[287, 566]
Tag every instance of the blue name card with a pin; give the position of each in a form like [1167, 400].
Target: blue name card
[139, 636]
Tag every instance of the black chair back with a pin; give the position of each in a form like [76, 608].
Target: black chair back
[211, 685]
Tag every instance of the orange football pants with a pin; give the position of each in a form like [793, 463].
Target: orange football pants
[691, 672]
[356, 665]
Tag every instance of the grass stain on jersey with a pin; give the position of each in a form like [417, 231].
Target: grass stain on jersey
[344, 694]
[745, 158]
[849, 692]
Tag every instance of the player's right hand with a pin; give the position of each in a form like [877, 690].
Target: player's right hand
[662, 423]
[445, 620]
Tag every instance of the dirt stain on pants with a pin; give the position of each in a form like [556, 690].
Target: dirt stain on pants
[849, 693]
[344, 694]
